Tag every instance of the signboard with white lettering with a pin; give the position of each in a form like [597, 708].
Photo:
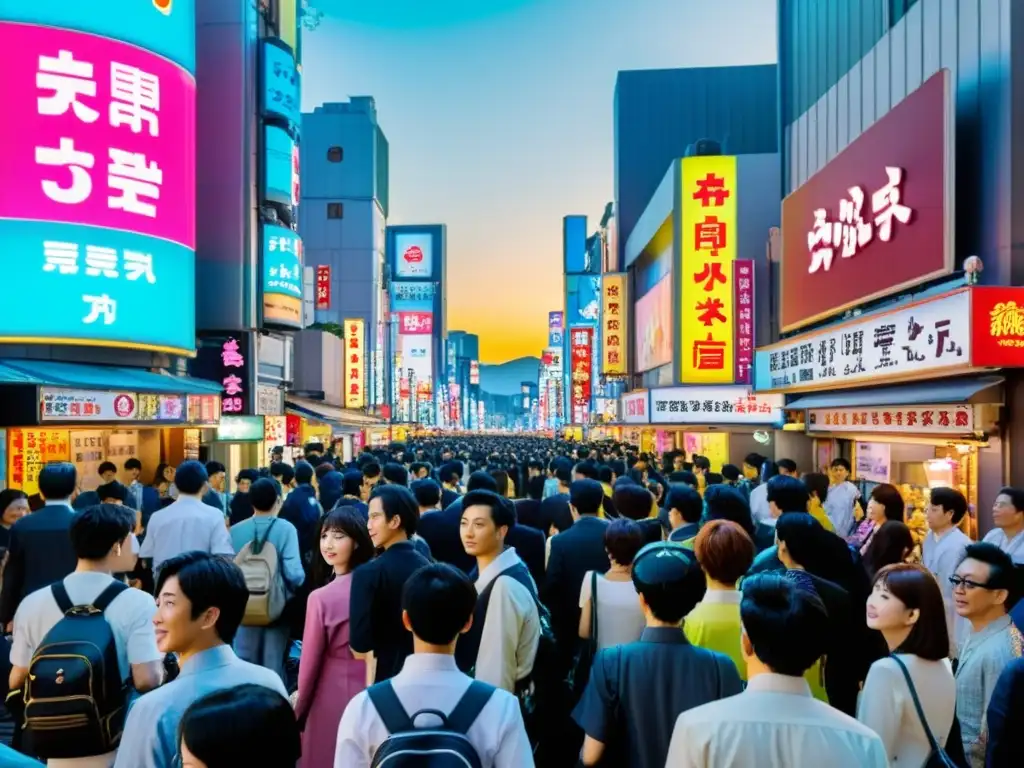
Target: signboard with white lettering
[909, 419]
[714, 405]
[86, 405]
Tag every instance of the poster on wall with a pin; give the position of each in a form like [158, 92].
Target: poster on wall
[873, 462]
[88, 451]
[122, 444]
[414, 255]
[652, 316]
[30, 451]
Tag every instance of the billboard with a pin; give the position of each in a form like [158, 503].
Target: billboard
[355, 363]
[282, 276]
[417, 358]
[581, 345]
[278, 171]
[707, 248]
[878, 218]
[743, 284]
[100, 136]
[652, 315]
[279, 85]
[614, 325]
[582, 300]
[414, 256]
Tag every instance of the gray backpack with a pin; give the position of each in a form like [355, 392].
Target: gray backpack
[260, 564]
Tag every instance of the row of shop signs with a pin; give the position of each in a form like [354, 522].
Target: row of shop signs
[82, 405]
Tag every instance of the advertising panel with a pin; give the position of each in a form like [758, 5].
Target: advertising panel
[241, 429]
[474, 372]
[355, 364]
[997, 326]
[743, 280]
[556, 328]
[278, 150]
[412, 296]
[653, 317]
[581, 345]
[873, 462]
[282, 276]
[30, 451]
[878, 218]
[100, 135]
[582, 300]
[279, 92]
[916, 419]
[614, 325]
[86, 405]
[87, 453]
[635, 408]
[708, 249]
[323, 286]
[415, 323]
[414, 255]
[417, 357]
[715, 405]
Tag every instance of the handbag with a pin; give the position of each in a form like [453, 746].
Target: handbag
[937, 758]
[582, 662]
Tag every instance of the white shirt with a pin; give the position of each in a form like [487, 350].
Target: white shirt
[620, 619]
[183, 526]
[941, 555]
[759, 509]
[432, 681]
[839, 506]
[511, 632]
[1013, 547]
[774, 722]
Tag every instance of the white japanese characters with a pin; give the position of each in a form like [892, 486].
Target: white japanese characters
[850, 233]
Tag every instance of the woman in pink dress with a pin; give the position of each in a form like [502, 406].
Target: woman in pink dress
[329, 675]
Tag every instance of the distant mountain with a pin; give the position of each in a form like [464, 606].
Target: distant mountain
[507, 378]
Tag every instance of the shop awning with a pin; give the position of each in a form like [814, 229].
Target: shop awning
[978, 390]
[321, 411]
[51, 373]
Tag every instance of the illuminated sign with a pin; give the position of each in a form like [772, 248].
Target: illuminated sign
[614, 331]
[413, 323]
[282, 276]
[355, 364]
[323, 286]
[581, 343]
[414, 255]
[997, 326]
[708, 250]
[234, 378]
[280, 85]
[413, 292]
[278, 151]
[715, 405]
[920, 419]
[86, 405]
[241, 429]
[474, 372]
[203, 409]
[636, 408]
[743, 282]
[100, 136]
[30, 451]
[556, 328]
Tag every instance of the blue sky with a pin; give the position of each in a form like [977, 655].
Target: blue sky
[499, 117]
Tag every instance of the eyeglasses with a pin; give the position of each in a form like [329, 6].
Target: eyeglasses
[958, 581]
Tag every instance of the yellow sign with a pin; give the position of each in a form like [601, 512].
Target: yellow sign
[614, 332]
[32, 449]
[314, 432]
[713, 445]
[355, 364]
[708, 249]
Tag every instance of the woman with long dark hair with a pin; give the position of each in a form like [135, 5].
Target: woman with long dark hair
[329, 675]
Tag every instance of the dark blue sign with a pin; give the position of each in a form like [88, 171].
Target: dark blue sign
[279, 94]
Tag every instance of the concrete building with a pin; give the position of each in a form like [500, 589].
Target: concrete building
[343, 217]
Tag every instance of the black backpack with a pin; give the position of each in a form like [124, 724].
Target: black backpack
[74, 695]
[445, 746]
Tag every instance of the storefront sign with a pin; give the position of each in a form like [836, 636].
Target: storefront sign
[929, 336]
[86, 405]
[636, 408]
[355, 364]
[743, 279]
[234, 377]
[878, 218]
[415, 323]
[240, 429]
[269, 400]
[581, 345]
[88, 451]
[474, 372]
[30, 451]
[913, 419]
[204, 409]
[873, 462]
[275, 430]
[714, 405]
[997, 325]
[282, 276]
[614, 329]
[161, 408]
[294, 427]
[323, 286]
[708, 249]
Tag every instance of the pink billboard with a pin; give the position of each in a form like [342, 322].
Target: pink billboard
[99, 133]
[652, 315]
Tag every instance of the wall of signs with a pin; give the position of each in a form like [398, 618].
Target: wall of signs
[715, 405]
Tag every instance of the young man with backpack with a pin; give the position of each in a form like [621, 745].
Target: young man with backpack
[483, 726]
[79, 643]
[270, 559]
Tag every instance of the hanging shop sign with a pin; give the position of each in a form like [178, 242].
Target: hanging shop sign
[707, 251]
[997, 326]
[916, 419]
[614, 330]
[873, 462]
[743, 280]
[414, 255]
[122, 444]
[876, 220]
[269, 400]
[323, 286]
[161, 408]
[581, 346]
[204, 410]
[715, 405]
[234, 377]
[355, 364]
[275, 430]
[279, 84]
[85, 405]
[556, 328]
[32, 449]
[636, 408]
[282, 276]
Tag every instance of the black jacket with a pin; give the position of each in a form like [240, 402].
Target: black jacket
[39, 554]
[843, 671]
[528, 513]
[441, 532]
[529, 544]
[302, 510]
[1006, 719]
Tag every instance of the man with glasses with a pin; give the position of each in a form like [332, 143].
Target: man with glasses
[984, 590]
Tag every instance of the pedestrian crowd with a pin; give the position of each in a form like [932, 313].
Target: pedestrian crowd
[507, 601]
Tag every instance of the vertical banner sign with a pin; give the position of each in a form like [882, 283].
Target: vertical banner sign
[355, 369]
[613, 324]
[581, 350]
[707, 252]
[474, 372]
[743, 280]
[234, 378]
[323, 286]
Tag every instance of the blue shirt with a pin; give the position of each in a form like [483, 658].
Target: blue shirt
[150, 737]
[11, 759]
[285, 540]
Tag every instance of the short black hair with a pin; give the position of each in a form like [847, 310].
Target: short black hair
[264, 493]
[588, 470]
[96, 529]
[396, 474]
[440, 601]
[787, 464]
[563, 473]
[951, 500]
[685, 500]
[586, 496]
[633, 501]
[304, 473]
[481, 481]
[451, 471]
[817, 484]
[684, 476]
[841, 463]
[723, 502]
[503, 512]
[285, 472]
[731, 472]
[702, 462]
[917, 589]
[106, 466]
[112, 490]
[190, 477]
[215, 468]
[427, 492]
[1002, 572]
[58, 480]
[371, 469]
[267, 735]
[352, 483]
[785, 623]
[416, 466]
[133, 464]
[754, 460]
[713, 478]
[209, 581]
[789, 493]
[670, 600]
[623, 539]
[1016, 497]
[398, 501]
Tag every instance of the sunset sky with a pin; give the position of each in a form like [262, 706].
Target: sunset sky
[499, 118]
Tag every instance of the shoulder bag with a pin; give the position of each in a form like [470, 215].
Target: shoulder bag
[937, 758]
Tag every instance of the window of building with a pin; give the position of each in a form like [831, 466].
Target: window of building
[335, 211]
[335, 154]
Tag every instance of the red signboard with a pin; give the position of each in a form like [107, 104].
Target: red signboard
[743, 301]
[581, 346]
[878, 218]
[997, 327]
[323, 286]
[415, 323]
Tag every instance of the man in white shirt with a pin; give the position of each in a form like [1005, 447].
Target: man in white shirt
[437, 607]
[1008, 519]
[943, 550]
[501, 646]
[99, 535]
[759, 509]
[775, 721]
[842, 495]
[188, 524]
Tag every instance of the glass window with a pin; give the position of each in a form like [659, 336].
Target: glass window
[335, 154]
[335, 211]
